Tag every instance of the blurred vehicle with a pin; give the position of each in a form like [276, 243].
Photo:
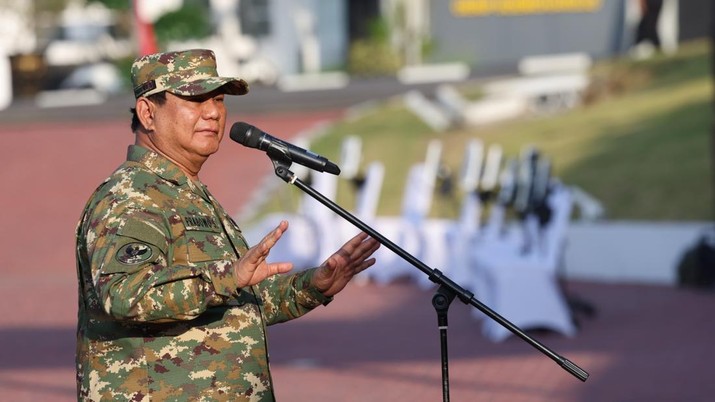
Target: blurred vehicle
[86, 35]
[81, 50]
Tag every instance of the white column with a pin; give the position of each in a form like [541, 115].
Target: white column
[309, 44]
[5, 80]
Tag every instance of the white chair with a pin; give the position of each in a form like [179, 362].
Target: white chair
[312, 234]
[408, 230]
[431, 232]
[366, 203]
[500, 237]
[368, 197]
[461, 233]
[350, 157]
[320, 216]
[523, 286]
[517, 189]
[460, 237]
[402, 230]
[495, 225]
[492, 168]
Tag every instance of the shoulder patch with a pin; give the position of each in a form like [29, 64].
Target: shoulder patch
[134, 253]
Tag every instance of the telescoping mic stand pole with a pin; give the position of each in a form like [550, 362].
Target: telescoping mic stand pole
[446, 292]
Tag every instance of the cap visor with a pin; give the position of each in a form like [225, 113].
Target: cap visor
[230, 86]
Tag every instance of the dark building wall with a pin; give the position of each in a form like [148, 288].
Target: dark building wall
[694, 18]
[360, 14]
[502, 39]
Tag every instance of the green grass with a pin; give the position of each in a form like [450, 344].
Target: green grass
[641, 144]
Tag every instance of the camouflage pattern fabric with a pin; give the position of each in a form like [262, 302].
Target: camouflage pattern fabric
[188, 73]
[160, 317]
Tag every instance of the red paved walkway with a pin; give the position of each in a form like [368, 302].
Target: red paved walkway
[649, 344]
[373, 343]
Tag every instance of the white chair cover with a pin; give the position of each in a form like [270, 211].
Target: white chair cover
[312, 234]
[321, 217]
[367, 201]
[450, 240]
[521, 285]
[459, 238]
[408, 231]
[403, 230]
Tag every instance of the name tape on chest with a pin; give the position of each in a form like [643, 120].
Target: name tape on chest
[201, 222]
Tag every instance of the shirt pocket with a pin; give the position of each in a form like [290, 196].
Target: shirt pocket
[207, 242]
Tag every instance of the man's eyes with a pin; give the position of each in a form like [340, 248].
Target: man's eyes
[204, 98]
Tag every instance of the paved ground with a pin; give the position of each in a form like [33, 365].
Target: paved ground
[373, 343]
[380, 344]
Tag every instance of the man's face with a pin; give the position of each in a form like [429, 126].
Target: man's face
[189, 128]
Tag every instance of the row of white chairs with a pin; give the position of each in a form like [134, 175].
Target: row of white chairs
[510, 266]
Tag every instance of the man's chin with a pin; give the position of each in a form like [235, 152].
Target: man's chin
[207, 153]
[207, 149]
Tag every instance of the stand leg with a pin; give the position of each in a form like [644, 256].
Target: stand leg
[441, 301]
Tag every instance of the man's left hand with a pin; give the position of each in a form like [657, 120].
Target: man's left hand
[351, 259]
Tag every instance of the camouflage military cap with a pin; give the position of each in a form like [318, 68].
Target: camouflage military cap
[188, 73]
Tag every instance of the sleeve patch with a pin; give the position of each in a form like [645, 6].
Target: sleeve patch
[134, 253]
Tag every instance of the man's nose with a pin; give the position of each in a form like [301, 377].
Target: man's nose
[211, 109]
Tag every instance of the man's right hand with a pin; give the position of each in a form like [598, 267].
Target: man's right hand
[252, 267]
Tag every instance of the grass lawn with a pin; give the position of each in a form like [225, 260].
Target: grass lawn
[640, 143]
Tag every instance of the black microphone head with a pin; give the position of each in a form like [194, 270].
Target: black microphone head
[252, 137]
[332, 168]
[245, 134]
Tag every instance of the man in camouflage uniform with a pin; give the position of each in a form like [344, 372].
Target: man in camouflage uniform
[173, 304]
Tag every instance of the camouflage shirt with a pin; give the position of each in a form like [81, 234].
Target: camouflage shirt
[160, 317]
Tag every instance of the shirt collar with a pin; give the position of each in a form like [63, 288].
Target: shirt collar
[157, 164]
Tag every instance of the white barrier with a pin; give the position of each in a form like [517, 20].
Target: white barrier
[629, 251]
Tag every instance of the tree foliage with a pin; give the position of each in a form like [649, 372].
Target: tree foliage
[192, 21]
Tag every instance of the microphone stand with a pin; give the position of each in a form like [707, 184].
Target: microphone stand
[447, 290]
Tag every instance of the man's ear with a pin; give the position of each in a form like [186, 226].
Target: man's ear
[145, 113]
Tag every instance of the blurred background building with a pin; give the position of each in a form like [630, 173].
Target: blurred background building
[55, 44]
[643, 157]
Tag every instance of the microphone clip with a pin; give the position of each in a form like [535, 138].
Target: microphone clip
[281, 166]
[278, 153]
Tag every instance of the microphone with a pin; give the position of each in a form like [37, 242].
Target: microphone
[252, 137]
